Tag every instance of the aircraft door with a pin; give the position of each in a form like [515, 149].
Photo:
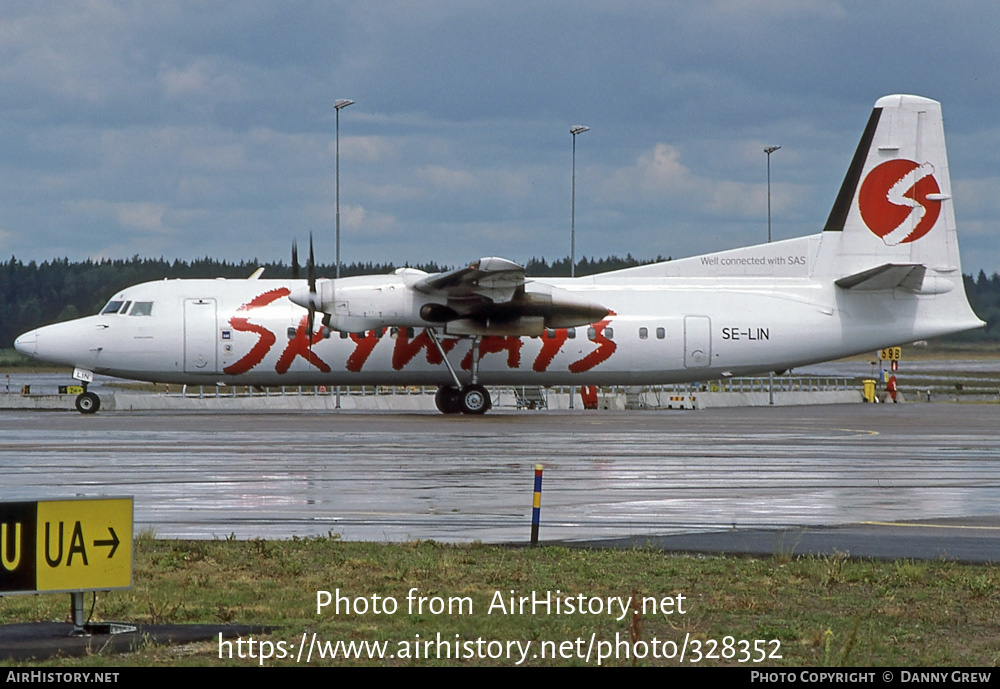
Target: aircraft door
[697, 341]
[200, 327]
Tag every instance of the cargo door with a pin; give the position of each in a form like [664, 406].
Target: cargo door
[697, 341]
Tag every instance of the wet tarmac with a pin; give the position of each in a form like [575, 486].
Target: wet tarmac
[628, 475]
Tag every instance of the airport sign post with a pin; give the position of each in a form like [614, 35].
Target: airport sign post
[536, 505]
[891, 354]
[66, 546]
[51, 546]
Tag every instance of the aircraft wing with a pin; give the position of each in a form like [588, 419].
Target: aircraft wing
[492, 296]
[495, 279]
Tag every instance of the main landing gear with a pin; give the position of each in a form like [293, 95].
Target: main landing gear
[470, 399]
[467, 399]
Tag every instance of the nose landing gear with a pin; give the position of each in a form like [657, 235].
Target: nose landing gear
[88, 403]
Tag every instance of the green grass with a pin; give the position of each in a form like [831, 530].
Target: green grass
[822, 611]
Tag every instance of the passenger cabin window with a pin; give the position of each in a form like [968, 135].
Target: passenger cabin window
[660, 333]
[112, 307]
[643, 333]
[571, 333]
[142, 308]
[591, 333]
[609, 333]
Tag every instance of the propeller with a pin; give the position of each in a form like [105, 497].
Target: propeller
[307, 296]
[313, 297]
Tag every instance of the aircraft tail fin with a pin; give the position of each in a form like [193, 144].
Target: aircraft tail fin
[895, 201]
[892, 226]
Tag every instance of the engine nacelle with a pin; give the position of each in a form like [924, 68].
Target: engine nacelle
[438, 313]
[370, 302]
[530, 326]
[559, 307]
[362, 303]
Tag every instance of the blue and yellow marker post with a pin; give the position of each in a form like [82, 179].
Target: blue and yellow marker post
[536, 510]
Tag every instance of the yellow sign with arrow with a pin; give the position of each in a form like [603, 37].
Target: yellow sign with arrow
[65, 545]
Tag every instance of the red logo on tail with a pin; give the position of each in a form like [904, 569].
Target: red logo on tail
[894, 204]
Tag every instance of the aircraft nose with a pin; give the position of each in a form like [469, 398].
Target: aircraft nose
[27, 343]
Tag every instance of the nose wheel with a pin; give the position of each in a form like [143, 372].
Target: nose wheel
[88, 403]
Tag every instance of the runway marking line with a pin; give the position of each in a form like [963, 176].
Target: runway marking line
[932, 526]
[858, 431]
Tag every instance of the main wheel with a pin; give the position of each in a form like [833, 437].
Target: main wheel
[475, 399]
[448, 399]
[88, 403]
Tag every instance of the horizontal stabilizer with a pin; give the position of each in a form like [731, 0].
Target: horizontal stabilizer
[886, 276]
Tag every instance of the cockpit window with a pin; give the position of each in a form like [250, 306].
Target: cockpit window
[112, 307]
[142, 308]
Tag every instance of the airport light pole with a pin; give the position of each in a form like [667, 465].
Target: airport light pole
[769, 150]
[574, 130]
[339, 105]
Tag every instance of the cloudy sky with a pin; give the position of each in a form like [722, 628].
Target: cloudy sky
[183, 129]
